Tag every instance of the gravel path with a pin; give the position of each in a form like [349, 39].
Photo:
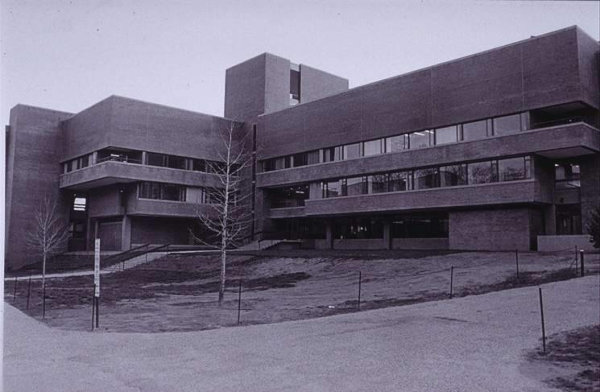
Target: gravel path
[475, 343]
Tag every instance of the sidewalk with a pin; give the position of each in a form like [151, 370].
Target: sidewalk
[473, 343]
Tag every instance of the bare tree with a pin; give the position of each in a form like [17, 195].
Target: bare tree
[226, 216]
[48, 234]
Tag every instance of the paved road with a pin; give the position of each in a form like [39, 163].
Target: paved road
[466, 344]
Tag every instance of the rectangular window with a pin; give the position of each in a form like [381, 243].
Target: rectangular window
[194, 195]
[175, 162]
[198, 165]
[300, 159]
[507, 124]
[421, 139]
[351, 151]
[426, 178]
[357, 228]
[283, 163]
[453, 175]
[378, 183]
[85, 161]
[354, 186]
[154, 159]
[332, 154]
[331, 189]
[482, 172]
[312, 157]
[396, 143]
[476, 130]
[513, 169]
[446, 135]
[373, 147]
[399, 181]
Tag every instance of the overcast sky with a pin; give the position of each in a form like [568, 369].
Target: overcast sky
[67, 55]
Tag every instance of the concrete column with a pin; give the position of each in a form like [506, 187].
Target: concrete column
[387, 234]
[126, 233]
[144, 153]
[94, 158]
[550, 219]
[329, 234]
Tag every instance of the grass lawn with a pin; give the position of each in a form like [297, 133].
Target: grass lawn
[179, 292]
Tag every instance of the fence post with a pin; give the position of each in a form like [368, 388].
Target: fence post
[15, 291]
[93, 305]
[97, 312]
[581, 264]
[517, 260]
[359, 287]
[239, 302]
[28, 291]
[451, 279]
[576, 265]
[543, 326]
[44, 301]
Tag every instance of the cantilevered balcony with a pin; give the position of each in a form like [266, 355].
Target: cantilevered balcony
[555, 142]
[113, 172]
[502, 193]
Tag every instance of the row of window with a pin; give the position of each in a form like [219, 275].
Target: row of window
[443, 176]
[150, 159]
[475, 130]
[175, 192]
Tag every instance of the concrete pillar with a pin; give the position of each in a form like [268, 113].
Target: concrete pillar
[126, 233]
[550, 219]
[94, 158]
[329, 234]
[387, 234]
[144, 153]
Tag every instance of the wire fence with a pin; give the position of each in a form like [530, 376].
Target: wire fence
[177, 292]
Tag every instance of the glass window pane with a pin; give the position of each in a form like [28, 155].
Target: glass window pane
[355, 186]
[446, 135]
[175, 162]
[312, 157]
[154, 159]
[420, 139]
[331, 189]
[396, 143]
[399, 181]
[372, 147]
[378, 183]
[300, 159]
[512, 169]
[351, 151]
[426, 178]
[481, 172]
[475, 130]
[507, 125]
[453, 175]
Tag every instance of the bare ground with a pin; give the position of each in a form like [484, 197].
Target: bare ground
[572, 360]
[178, 293]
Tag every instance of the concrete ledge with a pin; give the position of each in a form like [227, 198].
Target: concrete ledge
[549, 243]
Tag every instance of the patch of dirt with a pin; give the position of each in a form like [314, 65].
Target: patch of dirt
[579, 352]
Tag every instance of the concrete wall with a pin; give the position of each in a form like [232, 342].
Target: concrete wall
[538, 72]
[566, 243]
[420, 243]
[104, 202]
[316, 84]
[160, 230]
[244, 89]
[33, 152]
[502, 229]
[127, 123]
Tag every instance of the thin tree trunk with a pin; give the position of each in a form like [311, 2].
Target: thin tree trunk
[223, 266]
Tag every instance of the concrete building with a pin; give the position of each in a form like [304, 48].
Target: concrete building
[495, 151]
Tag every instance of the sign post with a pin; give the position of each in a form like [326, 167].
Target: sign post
[97, 279]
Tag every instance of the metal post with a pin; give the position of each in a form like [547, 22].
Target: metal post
[576, 252]
[15, 291]
[28, 291]
[451, 279]
[517, 261]
[239, 302]
[97, 312]
[44, 301]
[581, 264]
[93, 306]
[359, 287]
[543, 326]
